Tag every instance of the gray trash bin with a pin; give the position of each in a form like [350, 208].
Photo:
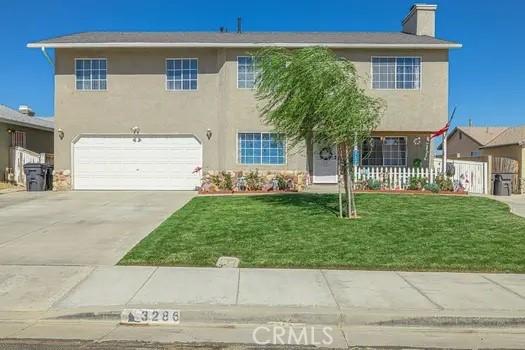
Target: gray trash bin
[36, 176]
[502, 184]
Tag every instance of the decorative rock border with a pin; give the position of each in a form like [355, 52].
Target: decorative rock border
[62, 180]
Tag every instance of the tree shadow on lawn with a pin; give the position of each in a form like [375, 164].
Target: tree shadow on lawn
[307, 201]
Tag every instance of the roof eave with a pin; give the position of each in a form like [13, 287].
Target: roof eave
[243, 45]
[520, 143]
[27, 125]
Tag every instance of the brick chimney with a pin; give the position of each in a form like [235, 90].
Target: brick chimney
[421, 20]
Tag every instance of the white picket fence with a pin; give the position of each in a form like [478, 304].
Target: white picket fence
[393, 178]
[18, 158]
[475, 172]
[398, 178]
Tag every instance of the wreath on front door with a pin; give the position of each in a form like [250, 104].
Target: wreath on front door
[326, 153]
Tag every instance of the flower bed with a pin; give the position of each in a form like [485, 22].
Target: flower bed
[253, 181]
[445, 193]
[415, 184]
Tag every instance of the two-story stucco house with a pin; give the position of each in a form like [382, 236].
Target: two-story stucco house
[157, 110]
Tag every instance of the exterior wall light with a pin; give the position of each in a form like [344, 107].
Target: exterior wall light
[136, 131]
[60, 133]
[209, 134]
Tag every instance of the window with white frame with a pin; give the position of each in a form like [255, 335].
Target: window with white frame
[18, 139]
[181, 74]
[91, 73]
[396, 72]
[389, 151]
[246, 72]
[261, 148]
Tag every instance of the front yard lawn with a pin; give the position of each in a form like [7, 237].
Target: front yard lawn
[395, 232]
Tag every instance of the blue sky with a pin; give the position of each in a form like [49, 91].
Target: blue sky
[486, 76]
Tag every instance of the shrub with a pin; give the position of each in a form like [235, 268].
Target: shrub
[222, 181]
[282, 183]
[432, 187]
[373, 184]
[416, 183]
[227, 181]
[417, 163]
[445, 183]
[254, 182]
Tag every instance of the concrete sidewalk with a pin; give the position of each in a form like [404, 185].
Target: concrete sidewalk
[30, 288]
[85, 302]
[516, 203]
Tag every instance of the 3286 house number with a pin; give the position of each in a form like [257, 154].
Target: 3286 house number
[150, 316]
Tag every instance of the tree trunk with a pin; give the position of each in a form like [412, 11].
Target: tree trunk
[339, 177]
[345, 172]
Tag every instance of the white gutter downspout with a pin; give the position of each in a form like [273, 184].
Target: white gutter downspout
[44, 52]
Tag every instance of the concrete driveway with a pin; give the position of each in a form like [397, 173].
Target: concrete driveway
[79, 228]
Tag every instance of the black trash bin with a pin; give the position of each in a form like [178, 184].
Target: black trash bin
[49, 177]
[502, 184]
[36, 176]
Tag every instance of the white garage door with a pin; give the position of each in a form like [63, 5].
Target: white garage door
[142, 163]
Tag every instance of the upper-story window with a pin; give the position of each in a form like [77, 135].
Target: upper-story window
[396, 72]
[181, 74]
[91, 73]
[246, 72]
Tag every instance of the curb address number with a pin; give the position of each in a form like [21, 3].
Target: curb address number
[150, 316]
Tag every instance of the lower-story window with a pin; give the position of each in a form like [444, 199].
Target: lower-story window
[261, 148]
[386, 151]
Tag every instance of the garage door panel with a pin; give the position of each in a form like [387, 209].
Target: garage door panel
[153, 163]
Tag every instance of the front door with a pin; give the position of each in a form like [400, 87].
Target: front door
[324, 164]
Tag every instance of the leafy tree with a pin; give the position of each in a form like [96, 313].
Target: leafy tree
[311, 95]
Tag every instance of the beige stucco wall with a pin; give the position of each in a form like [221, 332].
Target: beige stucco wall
[463, 146]
[136, 96]
[39, 141]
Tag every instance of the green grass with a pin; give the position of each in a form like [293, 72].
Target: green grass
[395, 232]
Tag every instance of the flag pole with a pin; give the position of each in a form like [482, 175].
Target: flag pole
[445, 141]
[444, 160]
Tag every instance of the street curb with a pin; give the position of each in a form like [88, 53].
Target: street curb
[221, 315]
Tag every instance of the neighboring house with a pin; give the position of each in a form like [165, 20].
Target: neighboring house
[148, 110]
[466, 141]
[510, 143]
[495, 145]
[22, 129]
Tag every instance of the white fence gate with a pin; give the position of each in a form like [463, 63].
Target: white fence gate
[19, 157]
[475, 172]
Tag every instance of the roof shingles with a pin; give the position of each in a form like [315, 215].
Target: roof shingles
[8, 115]
[364, 38]
[511, 136]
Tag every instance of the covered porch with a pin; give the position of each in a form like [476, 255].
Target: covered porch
[399, 151]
